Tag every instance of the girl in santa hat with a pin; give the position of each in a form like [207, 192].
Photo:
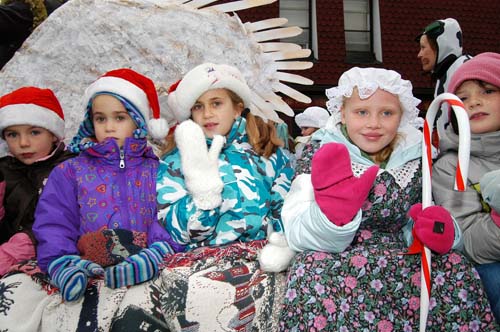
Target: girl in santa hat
[106, 192]
[32, 124]
[354, 211]
[226, 176]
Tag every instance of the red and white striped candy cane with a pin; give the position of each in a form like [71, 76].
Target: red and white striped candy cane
[460, 180]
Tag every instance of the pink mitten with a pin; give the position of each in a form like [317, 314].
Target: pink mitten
[338, 193]
[433, 227]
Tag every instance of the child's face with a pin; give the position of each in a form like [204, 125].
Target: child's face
[29, 144]
[111, 119]
[482, 103]
[215, 112]
[306, 131]
[372, 123]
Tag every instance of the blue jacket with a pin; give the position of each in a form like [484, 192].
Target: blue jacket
[254, 189]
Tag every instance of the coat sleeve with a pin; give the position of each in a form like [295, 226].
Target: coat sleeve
[479, 232]
[176, 210]
[307, 228]
[57, 217]
[280, 187]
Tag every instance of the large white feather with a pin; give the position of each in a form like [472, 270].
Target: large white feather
[163, 39]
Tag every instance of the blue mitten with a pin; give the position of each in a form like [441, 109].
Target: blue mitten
[69, 273]
[137, 268]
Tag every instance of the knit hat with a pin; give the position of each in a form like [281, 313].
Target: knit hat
[32, 106]
[137, 89]
[314, 117]
[367, 81]
[208, 76]
[483, 67]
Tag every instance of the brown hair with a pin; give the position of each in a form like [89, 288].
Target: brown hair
[262, 136]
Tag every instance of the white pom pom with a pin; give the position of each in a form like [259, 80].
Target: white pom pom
[158, 128]
[276, 255]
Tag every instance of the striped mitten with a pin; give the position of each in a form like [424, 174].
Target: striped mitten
[137, 268]
[69, 273]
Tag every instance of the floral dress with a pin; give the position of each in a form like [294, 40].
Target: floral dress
[373, 285]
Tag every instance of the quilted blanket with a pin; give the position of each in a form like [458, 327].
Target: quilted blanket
[208, 289]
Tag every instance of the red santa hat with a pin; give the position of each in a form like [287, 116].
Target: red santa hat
[208, 76]
[138, 90]
[32, 106]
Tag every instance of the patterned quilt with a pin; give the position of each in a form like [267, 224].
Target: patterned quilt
[208, 289]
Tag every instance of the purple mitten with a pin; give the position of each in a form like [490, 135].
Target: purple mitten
[338, 193]
[433, 227]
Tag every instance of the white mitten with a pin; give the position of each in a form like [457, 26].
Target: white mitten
[200, 165]
[276, 255]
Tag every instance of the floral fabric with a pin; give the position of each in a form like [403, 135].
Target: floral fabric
[373, 285]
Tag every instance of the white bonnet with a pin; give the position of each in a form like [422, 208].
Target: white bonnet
[368, 80]
[313, 116]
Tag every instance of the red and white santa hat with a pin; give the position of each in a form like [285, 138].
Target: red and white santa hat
[208, 76]
[32, 106]
[138, 90]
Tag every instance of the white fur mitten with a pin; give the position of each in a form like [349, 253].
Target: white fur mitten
[200, 165]
[276, 255]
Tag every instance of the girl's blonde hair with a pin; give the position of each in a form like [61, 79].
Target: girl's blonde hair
[262, 136]
[386, 152]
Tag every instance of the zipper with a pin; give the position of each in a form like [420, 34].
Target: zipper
[122, 159]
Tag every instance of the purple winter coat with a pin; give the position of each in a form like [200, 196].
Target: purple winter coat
[92, 190]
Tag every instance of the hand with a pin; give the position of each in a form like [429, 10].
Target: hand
[338, 193]
[490, 189]
[199, 165]
[138, 268]
[69, 273]
[433, 227]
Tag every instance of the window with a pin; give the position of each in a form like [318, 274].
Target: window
[362, 31]
[301, 13]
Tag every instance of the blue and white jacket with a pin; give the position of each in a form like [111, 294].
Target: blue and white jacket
[253, 195]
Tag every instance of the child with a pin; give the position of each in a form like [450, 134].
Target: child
[109, 186]
[309, 121]
[232, 190]
[351, 206]
[32, 124]
[477, 84]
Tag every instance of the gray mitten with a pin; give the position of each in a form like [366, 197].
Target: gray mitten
[490, 189]
[200, 165]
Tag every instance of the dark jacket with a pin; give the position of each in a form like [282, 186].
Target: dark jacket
[24, 184]
[18, 18]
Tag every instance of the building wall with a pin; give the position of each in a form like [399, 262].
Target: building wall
[401, 22]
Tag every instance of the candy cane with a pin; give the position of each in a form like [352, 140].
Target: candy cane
[460, 180]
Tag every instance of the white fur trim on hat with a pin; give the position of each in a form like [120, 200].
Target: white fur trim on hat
[123, 88]
[313, 117]
[31, 114]
[158, 128]
[197, 81]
